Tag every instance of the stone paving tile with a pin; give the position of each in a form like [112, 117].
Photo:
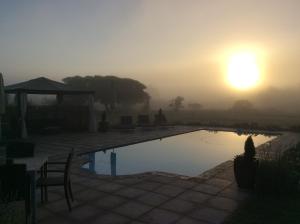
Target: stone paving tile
[153, 199]
[43, 213]
[109, 187]
[194, 196]
[163, 179]
[147, 185]
[57, 220]
[132, 209]
[84, 213]
[169, 190]
[130, 192]
[210, 215]
[219, 182]
[186, 220]
[235, 194]
[178, 205]
[159, 216]
[110, 201]
[208, 189]
[110, 218]
[59, 206]
[223, 203]
[128, 181]
[184, 184]
[89, 195]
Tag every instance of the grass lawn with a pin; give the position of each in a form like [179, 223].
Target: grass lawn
[268, 210]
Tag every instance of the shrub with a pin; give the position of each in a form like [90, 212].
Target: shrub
[280, 175]
[249, 149]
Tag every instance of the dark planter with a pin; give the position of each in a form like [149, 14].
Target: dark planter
[245, 171]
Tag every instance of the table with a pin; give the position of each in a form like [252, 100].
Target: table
[33, 164]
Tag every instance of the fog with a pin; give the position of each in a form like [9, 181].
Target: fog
[175, 48]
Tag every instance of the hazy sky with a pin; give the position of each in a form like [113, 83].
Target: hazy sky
[177, 47]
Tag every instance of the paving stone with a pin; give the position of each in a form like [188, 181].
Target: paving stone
[178, 205]
[128, 180]
[186, 220]
[210, 215]
[43, 213]
[110, 218]
[184, 184]
[136, 222]
[130, 192]
[55, 219]
[89, 195]
[159, 216]
[194, 196]
[223, 203]
[153, 199]
[57, 206]
[109, 187]
[221, 183]
[110, 201]
[235, 194]
[206, 188]
[132, 209]
[169, 190]
[84, 213]
[147, 185]
[163, 179]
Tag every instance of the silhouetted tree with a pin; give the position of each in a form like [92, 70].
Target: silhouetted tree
[195, 106]
[177, 103]
[111, 90]
[242, 105]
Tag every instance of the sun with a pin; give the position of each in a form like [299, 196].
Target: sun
[243, 70]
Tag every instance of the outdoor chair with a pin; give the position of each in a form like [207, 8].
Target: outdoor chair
[126, 122]
[143, 120]
[19, 149]
[64, 180]
[14, 186]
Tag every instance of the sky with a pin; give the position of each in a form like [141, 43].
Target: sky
[175, 47]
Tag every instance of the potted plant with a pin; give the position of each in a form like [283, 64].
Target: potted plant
[245, 166]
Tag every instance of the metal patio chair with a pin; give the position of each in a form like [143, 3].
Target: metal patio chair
[64, 180]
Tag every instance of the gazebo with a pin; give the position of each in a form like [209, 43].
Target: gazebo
[44, 86]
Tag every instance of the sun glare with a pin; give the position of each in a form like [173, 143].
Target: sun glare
[243, 70]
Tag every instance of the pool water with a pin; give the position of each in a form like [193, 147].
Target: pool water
[187, 154]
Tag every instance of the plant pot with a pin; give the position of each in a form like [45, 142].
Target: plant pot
[245, 171]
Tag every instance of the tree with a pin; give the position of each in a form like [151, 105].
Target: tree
[111, 90]
[242, 105]
[177, 103]
[195, 106]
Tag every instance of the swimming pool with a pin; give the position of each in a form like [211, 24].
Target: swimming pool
[187, 154]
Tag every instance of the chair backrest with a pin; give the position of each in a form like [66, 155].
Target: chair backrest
[19, 149]
[14, 182]
[68, 166]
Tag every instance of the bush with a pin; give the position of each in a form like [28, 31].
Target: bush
[281, 175]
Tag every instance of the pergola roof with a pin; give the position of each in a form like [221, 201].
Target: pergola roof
[43, 85]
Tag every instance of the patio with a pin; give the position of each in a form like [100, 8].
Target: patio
[144, 198]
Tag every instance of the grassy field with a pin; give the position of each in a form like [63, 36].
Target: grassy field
[268, 210]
